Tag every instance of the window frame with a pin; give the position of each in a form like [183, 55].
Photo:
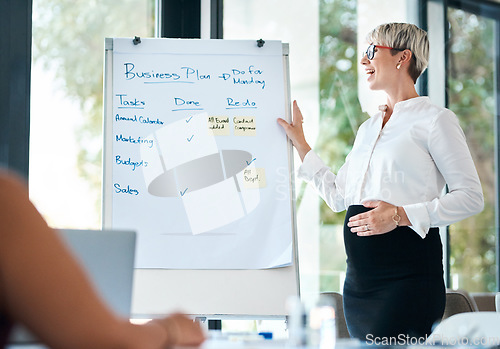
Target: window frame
[15, 85]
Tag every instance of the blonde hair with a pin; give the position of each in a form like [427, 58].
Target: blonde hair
[404, 36]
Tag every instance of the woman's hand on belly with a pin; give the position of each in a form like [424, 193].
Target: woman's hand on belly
[382, 219]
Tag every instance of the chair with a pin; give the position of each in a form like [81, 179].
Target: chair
[485, 301]
[479, 328]
[458, 301]
[342, 331]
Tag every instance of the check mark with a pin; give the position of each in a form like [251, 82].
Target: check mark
[188, 120]
[248, 163]
[183, 192]
[190, 138]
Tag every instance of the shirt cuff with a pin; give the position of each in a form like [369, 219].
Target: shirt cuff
[311, 165]
[419, 218]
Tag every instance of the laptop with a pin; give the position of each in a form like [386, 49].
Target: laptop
[108, 258]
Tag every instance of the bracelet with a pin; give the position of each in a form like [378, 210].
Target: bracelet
[396, 218]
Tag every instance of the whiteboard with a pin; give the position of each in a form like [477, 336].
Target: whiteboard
[216, 219]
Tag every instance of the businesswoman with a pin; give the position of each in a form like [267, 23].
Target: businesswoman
[392, 187]
[44, 288]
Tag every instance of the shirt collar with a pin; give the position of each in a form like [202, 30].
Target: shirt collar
[411, 102]
[407, 104]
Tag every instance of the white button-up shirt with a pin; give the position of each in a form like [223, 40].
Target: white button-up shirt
[406, 163]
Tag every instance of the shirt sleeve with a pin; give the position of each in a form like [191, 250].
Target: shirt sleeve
[449, 150]
[329, 186]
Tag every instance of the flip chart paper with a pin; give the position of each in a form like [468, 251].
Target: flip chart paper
[200, 166]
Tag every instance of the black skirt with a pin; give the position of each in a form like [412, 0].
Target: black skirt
[394, 284]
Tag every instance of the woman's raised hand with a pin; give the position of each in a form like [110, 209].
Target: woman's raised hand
[295, 132]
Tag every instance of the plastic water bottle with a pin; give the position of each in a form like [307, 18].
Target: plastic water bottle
[322, 327]
[297, 320]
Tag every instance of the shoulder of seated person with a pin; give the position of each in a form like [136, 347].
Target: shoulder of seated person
[11, 182]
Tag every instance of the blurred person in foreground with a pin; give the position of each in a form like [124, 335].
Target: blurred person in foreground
[43, 288]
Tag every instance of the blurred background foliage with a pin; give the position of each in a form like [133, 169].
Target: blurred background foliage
[471, 93]
[68, 39]
[340, 111]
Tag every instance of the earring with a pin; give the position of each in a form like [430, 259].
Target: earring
[398, 66]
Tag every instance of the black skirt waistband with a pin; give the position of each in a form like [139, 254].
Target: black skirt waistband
[401, 250]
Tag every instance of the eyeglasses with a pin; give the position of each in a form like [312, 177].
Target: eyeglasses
[370, 51]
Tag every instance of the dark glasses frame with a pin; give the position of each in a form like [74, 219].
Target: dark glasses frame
[370, 51]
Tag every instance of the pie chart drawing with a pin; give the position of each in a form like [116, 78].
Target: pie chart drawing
[185, 162]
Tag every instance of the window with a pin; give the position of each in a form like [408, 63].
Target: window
[472, 92]
[66, 102]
